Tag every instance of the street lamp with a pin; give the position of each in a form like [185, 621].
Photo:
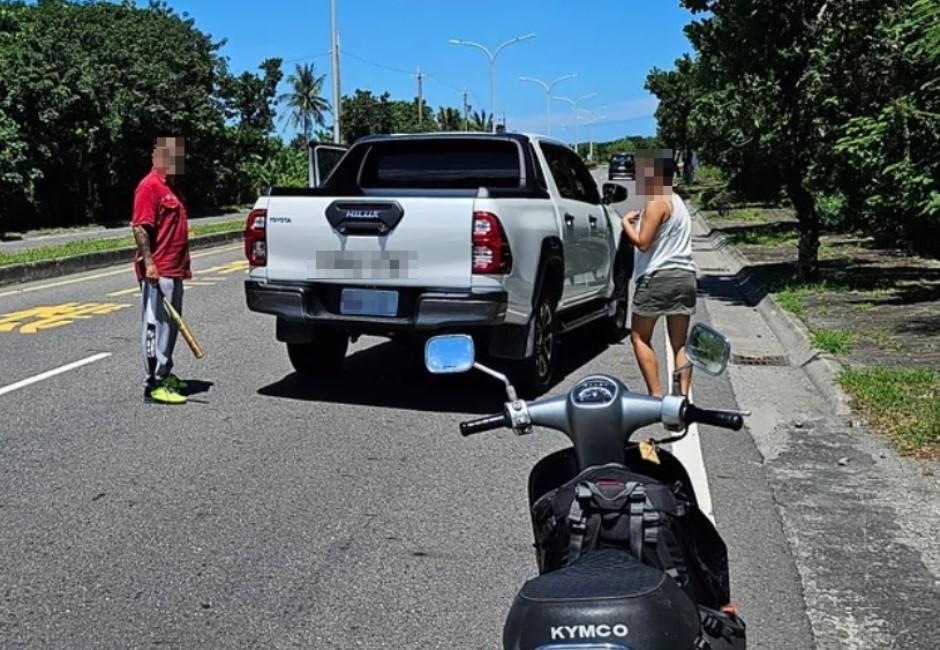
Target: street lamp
[592, 118]
[492, 57]
[547, 87]
[574, 110]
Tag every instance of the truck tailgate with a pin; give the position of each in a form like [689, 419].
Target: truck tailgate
[372, 241]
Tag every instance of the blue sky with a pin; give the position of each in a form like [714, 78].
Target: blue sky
[610, 44]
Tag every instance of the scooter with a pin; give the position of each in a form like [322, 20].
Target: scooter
[626, 559]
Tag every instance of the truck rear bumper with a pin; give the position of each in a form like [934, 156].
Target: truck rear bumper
[318, 303]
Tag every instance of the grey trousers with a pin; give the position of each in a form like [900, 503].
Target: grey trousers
[158, 331]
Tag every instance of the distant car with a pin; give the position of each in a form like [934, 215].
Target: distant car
[622, 165]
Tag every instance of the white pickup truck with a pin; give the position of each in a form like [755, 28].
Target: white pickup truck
[502, 236]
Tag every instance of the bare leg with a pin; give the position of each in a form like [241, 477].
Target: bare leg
[678, 326]
[641, 335]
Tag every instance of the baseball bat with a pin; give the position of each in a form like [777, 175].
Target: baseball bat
[184, 330]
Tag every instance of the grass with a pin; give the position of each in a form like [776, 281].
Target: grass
[744, 215]
[833, 341]
[759, 238]
[791, 301]
[904, 404]
[883, 338]
[863, 306]
[85, 246]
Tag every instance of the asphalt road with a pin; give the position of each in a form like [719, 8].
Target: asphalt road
[266, 513]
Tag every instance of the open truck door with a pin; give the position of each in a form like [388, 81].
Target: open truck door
[322, 158]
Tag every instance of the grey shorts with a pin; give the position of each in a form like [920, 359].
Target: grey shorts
[668, 292]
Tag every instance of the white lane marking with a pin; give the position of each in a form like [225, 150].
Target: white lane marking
[124, 292]
[689, 449]
[52, 373]
[107, 274]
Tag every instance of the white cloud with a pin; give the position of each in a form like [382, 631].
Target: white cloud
[622, 112]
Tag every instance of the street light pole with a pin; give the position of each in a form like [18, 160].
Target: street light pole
[337, 100]
[592, 118]
[574, 112]
[547, 87]
[492, 57]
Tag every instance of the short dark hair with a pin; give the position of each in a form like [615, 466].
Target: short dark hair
[664, 165]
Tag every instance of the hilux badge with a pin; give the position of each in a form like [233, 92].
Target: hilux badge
[362, 214]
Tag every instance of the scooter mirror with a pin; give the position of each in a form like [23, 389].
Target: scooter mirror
[450, 354]
[708, 349]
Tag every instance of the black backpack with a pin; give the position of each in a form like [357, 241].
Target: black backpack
[608, 506]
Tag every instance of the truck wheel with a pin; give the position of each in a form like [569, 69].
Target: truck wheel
[535, 374]
[320, 359]
[617, 324]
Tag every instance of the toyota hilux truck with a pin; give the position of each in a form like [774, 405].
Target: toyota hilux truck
[505, 237]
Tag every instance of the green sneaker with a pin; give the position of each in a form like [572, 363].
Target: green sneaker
[174, 382]
[164, 394]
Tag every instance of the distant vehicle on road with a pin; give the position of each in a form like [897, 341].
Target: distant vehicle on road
[622, 165]
[502, 236]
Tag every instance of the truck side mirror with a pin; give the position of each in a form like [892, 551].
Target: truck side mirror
[614, 193]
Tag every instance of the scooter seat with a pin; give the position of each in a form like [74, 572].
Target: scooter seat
[605, 599]
[604, 573]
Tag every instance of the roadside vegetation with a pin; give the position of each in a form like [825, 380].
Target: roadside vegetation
[905, 404]
[94, 245]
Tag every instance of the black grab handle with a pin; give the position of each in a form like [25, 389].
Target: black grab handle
[723, 419]
[488, 423]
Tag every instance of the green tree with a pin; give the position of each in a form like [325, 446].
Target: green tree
[450, 119]
[676, 90]
[364, 114]
[777, 83]
[480, 121]
[305, 100]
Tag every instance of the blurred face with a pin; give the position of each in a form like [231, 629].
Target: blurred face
[651, 172]
[169, 156]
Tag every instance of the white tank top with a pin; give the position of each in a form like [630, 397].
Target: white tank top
[672, 246]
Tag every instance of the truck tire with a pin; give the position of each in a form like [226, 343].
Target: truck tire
[321, 359]
[534, 376]
[616, 325]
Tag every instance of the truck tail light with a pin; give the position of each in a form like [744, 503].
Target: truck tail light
[490, 253]
[256, 242]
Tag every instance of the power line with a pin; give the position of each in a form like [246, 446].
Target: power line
[308, 58]
[377, 65]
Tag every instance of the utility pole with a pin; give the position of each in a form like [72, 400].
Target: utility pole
[466, 111]
[420, 77]
[337, 98]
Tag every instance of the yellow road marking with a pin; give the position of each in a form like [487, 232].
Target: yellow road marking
[197, 283]
[30, 321]
[231, 267]
[124, 292]
[108, 274]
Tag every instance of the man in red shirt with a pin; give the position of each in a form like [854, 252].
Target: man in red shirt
[162, 235]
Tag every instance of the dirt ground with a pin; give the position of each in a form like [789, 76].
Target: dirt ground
[888, 298]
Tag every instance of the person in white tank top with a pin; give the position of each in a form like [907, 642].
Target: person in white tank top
[664, 271]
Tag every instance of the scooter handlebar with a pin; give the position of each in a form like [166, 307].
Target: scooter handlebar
[490, 422]
[723, 419]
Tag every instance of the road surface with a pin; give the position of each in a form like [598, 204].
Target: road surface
[266, 513]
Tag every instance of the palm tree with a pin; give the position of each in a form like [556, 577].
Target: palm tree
[450, 119]
[305, 100]
[480, 121]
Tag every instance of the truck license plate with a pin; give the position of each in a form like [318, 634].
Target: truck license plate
[368, 302]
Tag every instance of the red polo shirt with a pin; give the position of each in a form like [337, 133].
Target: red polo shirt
[156, 206]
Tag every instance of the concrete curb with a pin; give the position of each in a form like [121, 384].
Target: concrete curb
[821, 368]
[78, 263]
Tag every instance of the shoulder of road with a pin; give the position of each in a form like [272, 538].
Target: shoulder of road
[50, 255]
[857, 515]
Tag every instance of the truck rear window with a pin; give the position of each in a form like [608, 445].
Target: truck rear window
[441, 164]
